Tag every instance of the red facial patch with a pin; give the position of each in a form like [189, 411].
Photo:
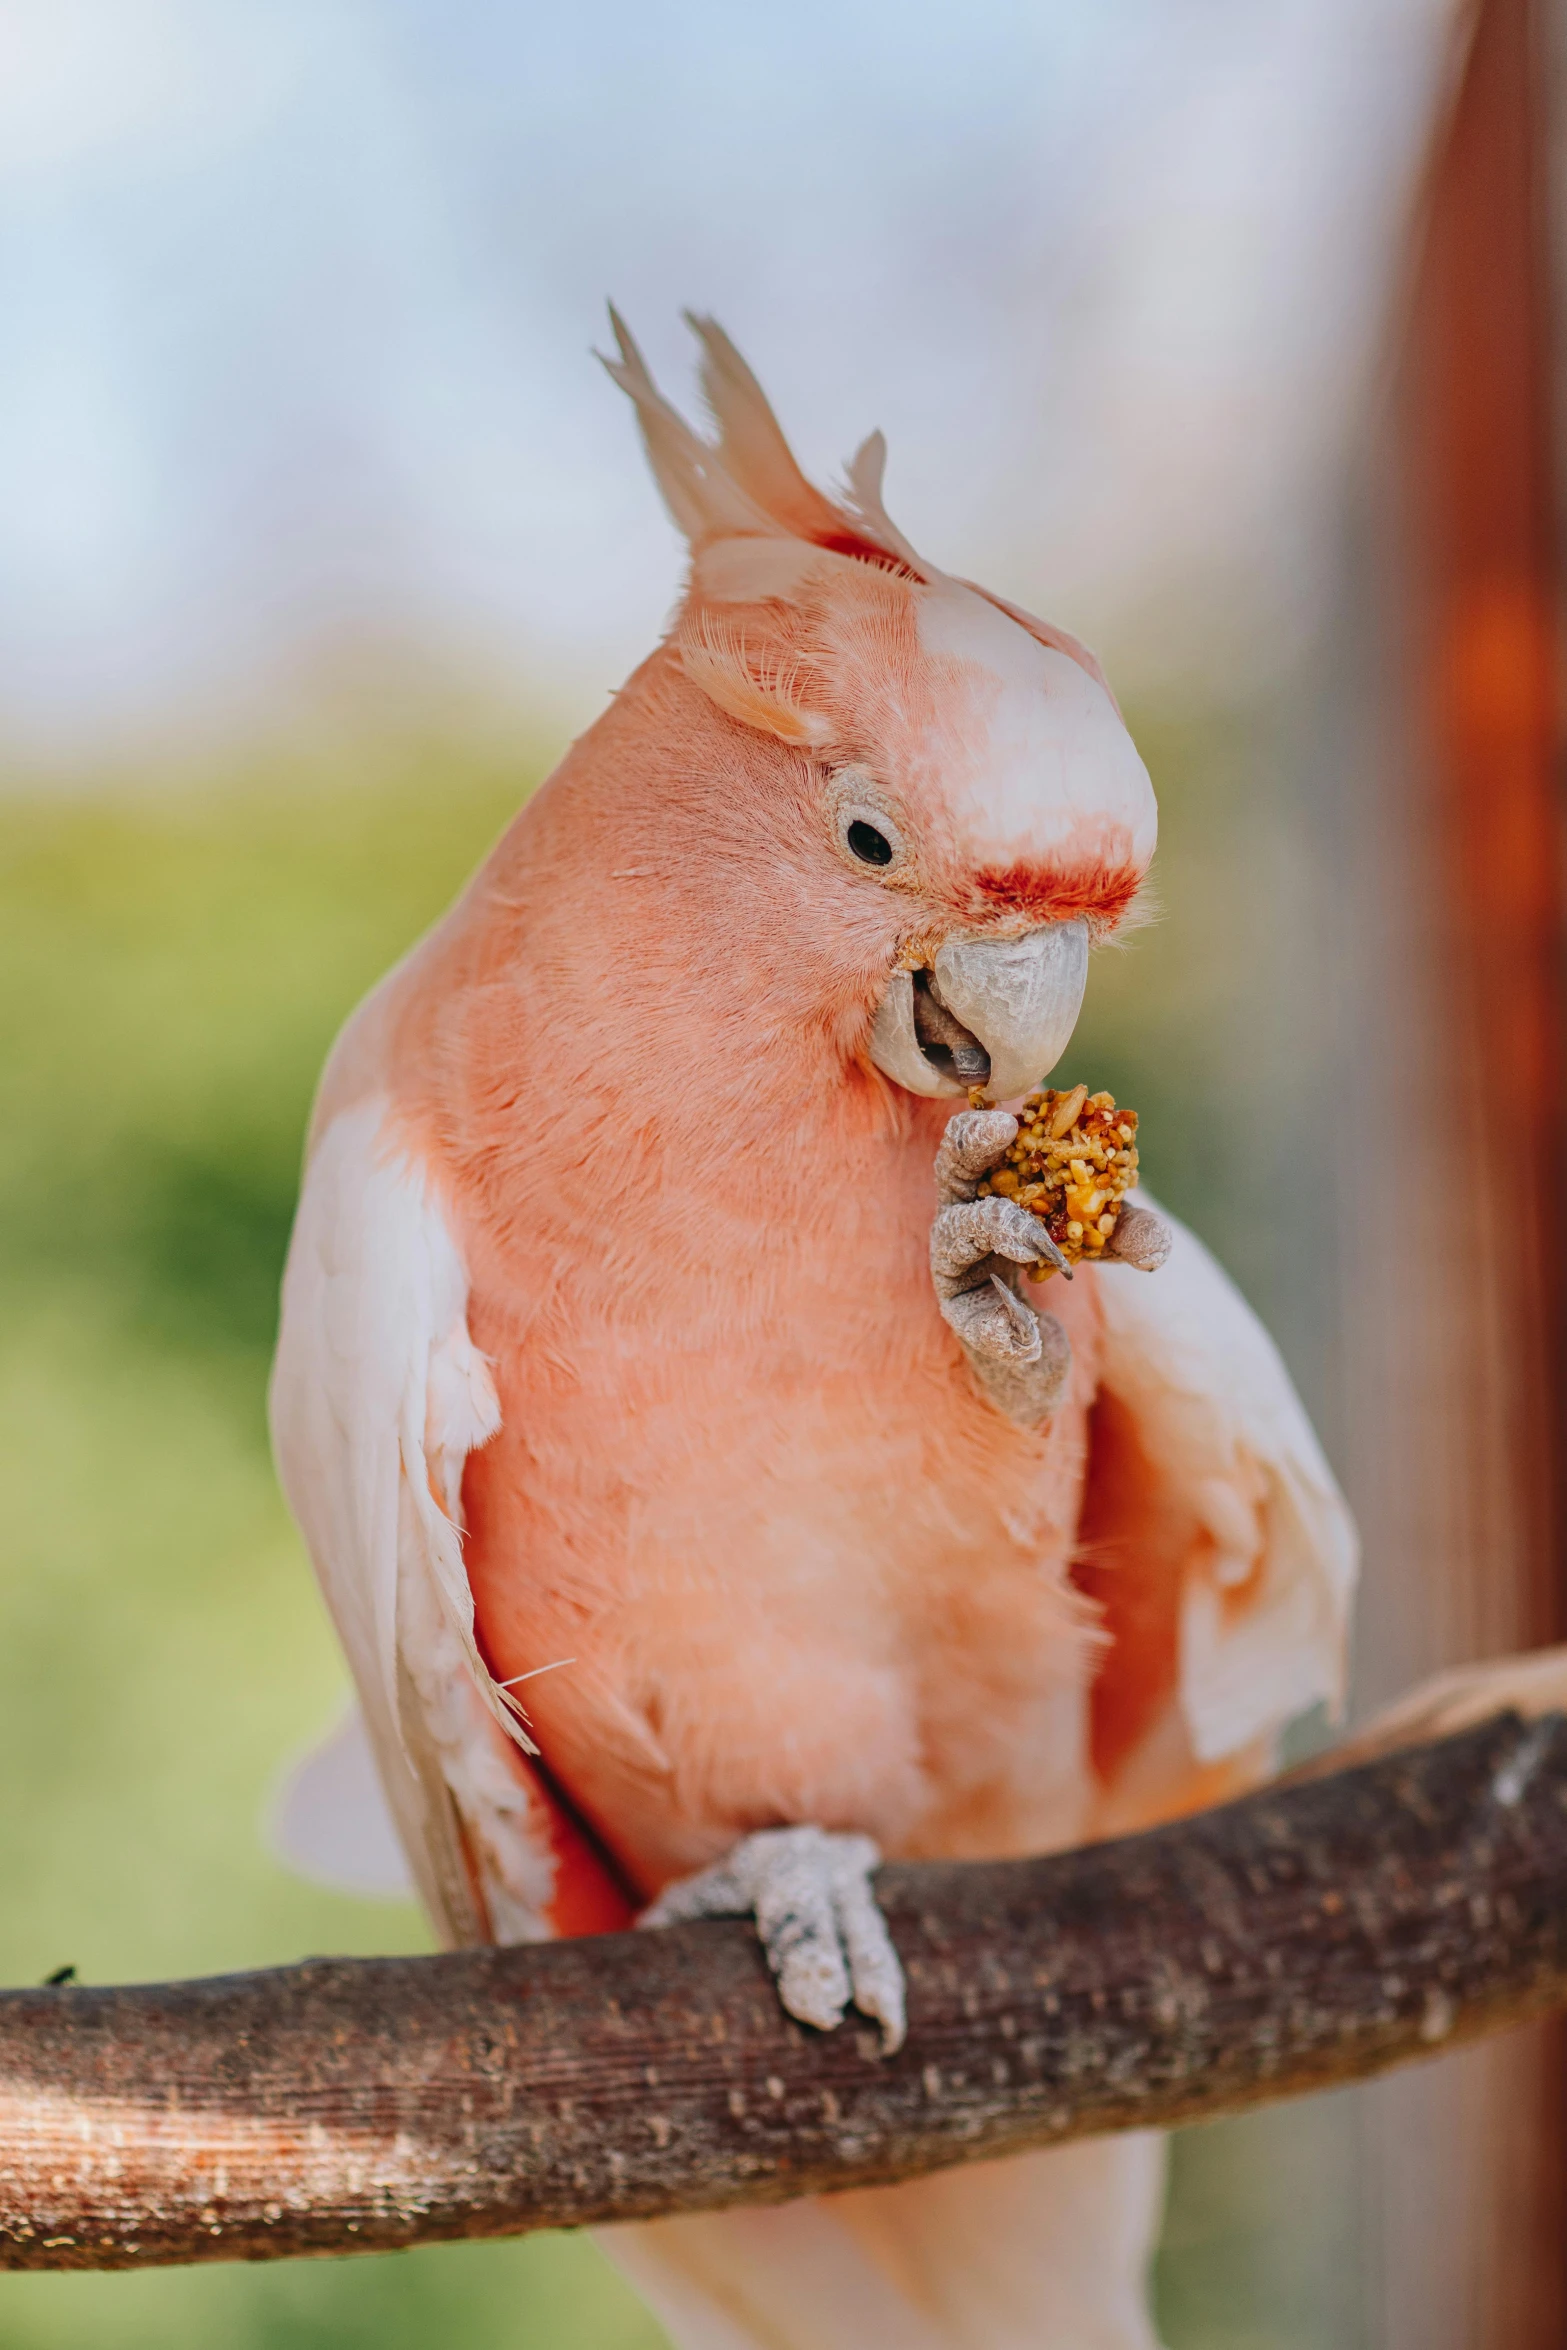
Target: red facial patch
[845, 542]
[1059, 894]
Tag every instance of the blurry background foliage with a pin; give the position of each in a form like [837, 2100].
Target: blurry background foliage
[173, 965]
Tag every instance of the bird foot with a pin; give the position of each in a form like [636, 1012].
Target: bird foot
[1140, 1238]
[809, 1891]
[1022, 1358]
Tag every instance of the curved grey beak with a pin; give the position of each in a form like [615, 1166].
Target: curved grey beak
[993, 1012]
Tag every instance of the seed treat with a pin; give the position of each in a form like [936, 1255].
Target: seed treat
[1074, 1161]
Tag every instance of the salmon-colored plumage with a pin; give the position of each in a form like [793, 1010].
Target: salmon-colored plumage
[745, 1533]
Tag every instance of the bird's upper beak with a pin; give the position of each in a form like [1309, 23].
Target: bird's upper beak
[992, 1012]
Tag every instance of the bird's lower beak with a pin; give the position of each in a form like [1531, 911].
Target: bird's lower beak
[992, 1012]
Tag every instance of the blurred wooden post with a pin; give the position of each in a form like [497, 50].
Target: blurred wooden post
[1456, 1335]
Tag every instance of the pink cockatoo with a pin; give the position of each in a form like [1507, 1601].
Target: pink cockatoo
[633, 1363]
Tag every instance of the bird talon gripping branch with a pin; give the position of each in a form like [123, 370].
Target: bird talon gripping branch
[816, 1917]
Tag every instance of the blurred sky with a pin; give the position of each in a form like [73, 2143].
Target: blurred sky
[296, 301]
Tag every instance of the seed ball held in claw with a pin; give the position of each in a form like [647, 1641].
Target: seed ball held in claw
[1074, 1161]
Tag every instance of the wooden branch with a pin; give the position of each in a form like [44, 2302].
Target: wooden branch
[1304, 1936]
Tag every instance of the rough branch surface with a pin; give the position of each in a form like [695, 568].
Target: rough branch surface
[1301, 1937]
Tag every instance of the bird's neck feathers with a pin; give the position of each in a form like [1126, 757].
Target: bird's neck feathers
[652, 941]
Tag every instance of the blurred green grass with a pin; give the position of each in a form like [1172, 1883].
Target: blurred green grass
[173, 966]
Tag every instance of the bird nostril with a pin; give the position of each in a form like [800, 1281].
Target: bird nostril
[944, 1041]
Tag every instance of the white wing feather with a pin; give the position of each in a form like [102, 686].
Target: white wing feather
[378, 1396]
[1266, 1605]
[329, 1820]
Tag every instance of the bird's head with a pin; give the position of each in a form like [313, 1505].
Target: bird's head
[953, 772]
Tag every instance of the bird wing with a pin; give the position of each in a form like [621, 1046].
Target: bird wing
[1215, 1537]
[328, 1820]
[378, 1396]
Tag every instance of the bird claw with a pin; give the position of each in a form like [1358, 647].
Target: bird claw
[969, 1233]
[1022, 1358]
[809, 1891]
[1021, 1320]
[973, 1142]
[1140, 1238]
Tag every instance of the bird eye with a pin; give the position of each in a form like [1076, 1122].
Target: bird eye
[866, 829]
[869, 845]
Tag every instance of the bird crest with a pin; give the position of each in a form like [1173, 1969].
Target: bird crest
[763, 537]
[746, 485]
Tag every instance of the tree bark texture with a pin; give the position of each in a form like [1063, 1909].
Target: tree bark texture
[1301, 1937]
